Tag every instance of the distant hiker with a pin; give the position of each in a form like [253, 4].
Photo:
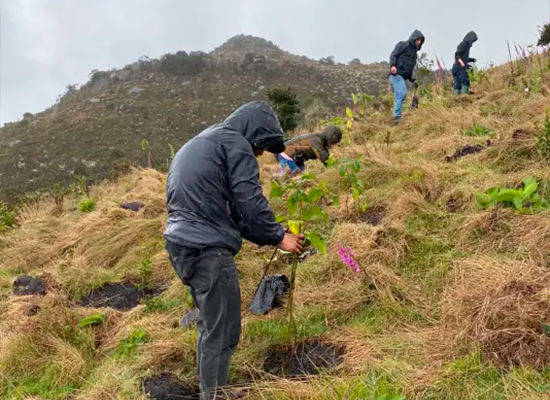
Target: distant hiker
[214, 200]
[310, 146]
[402, 63]
[462, 64]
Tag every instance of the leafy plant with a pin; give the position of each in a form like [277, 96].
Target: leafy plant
[523, 199]
[87, 205]
[285, 103]
[145, 270]
[543, 139]
[58, 192]
[7, 217]
[82, 185]
[131, 343]
[348, 170]
[544, 39]
[302, 197]
[477, 75]
[477, 131]
[92, 320]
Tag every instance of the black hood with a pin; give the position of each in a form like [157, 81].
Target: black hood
[470, 38]
[259, 125]
[416, 35]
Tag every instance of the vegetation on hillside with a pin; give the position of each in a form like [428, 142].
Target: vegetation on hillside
[423, 287]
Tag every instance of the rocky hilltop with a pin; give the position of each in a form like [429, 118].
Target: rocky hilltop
[105, 122]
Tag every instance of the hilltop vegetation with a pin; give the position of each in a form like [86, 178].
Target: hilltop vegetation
[451, 300]
[98, 127]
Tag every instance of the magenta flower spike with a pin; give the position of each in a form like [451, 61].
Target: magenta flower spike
[346, 255]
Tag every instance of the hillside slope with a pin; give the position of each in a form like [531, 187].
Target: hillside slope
[452, 301]
[167, 101]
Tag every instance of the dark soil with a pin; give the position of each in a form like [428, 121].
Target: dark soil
[453, 205]
[120, 296]
[464, 151]
[311, 358]
[167, 387]
[27, 285]
[374, 216]
[32, 310]
[133, 206]
[522, 133]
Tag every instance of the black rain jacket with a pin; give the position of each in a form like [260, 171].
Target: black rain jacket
[218, 168]
[404, 55]
[463, 49]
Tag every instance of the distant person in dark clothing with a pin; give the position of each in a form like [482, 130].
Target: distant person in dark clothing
[461, 64]
[402, 63]
[311, 146]
[214, 200]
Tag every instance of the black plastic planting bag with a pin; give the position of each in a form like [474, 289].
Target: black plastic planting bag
[269, 294]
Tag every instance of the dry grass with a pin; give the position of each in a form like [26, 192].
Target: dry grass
[452, 302]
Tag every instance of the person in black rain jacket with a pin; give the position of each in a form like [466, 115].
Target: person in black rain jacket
[214, 200]
[461, 64]
[402, 63]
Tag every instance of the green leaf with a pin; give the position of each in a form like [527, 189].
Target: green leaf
[335, 200]
[292, 204]
[355, 192]
[314, 195]
[342, 171]
[518, 202]
[314, 213]
[354, 98]
[295, 226]
[280, 218]
[92, 320]
[349, 113]
[276, 190]
[308, 177]
[382, 396]
[317, 242]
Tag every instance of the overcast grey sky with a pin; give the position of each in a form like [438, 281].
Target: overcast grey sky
[47, 44]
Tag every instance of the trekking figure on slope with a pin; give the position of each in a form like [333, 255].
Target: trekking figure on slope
[214, 200]
[461, 64]
[402, 63]
[310, 146]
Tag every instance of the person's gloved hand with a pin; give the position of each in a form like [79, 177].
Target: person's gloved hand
[473, 60]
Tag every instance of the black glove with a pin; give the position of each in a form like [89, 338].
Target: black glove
[413, 80]
[472, 60]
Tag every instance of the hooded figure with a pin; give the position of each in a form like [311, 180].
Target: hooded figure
[461, 65]
[402, 63]
[214, 200]
[311, 146]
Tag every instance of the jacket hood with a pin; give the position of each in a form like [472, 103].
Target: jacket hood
[332, 134]
[416, 35]
[259, 125]
[470, 38]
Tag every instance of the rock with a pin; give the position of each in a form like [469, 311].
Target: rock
[135, 90]
[121, 75]
[27, 285]
[14, 143]
[94, 101]
[132, 206]
[185, 83]
[100, 84]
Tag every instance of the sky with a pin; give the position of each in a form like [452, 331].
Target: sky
[46, 45]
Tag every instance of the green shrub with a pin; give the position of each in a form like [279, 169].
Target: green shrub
[523, 199]
[285, 103]
[7, 217]
[477, 131]
[87, 205]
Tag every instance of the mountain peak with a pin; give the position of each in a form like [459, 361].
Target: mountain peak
[248, 43]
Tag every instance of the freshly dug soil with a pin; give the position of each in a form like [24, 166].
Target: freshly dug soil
[27, 285]
[464, 151]
[311, 358]
[167, 387]
[120, 296]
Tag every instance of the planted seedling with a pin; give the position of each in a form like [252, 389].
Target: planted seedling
[302, 197]
[348, 171]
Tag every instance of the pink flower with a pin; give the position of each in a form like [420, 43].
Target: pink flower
[346, 255]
